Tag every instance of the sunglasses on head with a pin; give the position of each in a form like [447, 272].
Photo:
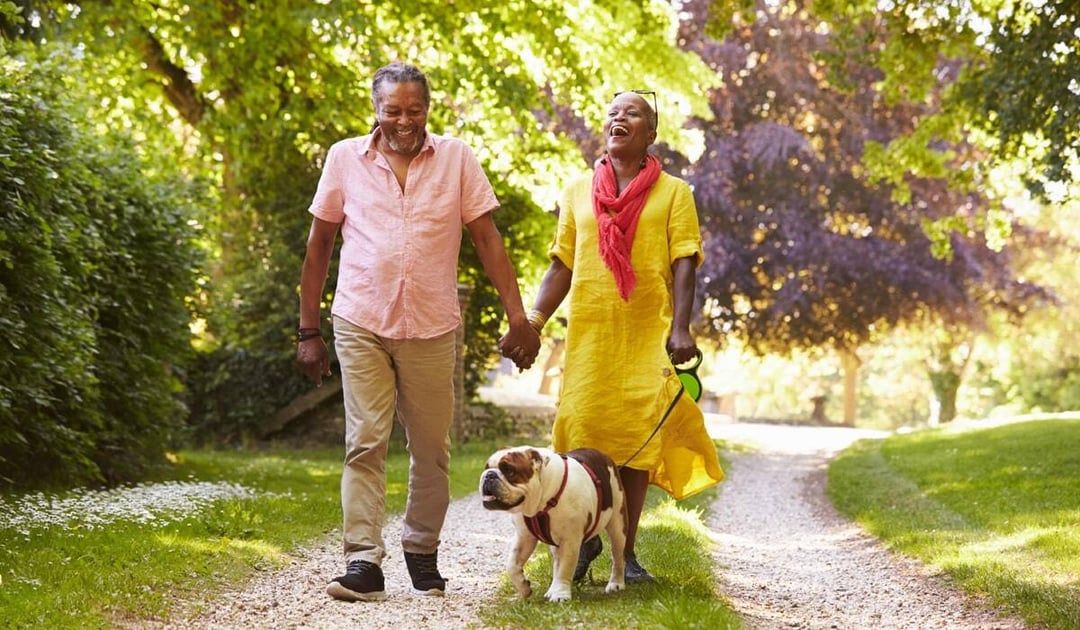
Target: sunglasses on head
[655, 109]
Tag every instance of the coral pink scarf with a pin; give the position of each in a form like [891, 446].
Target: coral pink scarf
[617, 217]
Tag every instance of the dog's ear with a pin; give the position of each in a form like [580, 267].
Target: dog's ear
[537, 458]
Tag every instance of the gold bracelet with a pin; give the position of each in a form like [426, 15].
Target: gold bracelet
[536, 320]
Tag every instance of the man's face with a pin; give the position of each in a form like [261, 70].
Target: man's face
[402, 113]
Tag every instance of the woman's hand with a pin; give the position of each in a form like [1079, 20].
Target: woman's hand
[681, 347]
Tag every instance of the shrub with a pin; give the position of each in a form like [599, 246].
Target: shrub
[96, 262]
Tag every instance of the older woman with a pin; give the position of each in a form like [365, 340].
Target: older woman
[626, 251]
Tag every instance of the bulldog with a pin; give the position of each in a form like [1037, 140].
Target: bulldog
[560, 500]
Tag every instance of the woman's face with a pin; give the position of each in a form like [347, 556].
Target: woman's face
[628, 129]
[402, 113]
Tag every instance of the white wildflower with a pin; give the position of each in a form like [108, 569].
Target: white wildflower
[155, 504]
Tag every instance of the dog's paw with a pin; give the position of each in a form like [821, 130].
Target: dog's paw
[558, 594]
[614, 587]
[524, 589]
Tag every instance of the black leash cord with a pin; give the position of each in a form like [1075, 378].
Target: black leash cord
[663, 419]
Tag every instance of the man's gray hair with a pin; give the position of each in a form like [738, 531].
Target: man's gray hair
[398, 72]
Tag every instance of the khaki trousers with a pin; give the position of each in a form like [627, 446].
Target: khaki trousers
[381, 378]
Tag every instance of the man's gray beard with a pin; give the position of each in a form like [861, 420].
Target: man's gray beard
[396, 147]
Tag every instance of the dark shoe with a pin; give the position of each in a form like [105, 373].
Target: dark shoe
[424, 571]
[363, 581]
[635, 572]
[590, 549]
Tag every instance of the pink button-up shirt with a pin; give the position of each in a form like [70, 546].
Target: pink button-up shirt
[399, 256]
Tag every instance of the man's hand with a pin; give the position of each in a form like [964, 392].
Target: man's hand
[521, 344]
[313, 359]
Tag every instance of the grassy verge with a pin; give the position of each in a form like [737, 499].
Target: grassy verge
[997, 508]
[673, 544]
[111, 558]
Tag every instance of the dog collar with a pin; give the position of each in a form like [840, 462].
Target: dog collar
[539, 524]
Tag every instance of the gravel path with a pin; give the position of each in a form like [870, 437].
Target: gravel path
[787, 559]
[471, 557]
[784, 557]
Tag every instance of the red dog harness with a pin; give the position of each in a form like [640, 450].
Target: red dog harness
[539, 524]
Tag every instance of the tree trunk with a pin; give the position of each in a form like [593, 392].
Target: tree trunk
[849, 359]
[945, 386]
[946, 365]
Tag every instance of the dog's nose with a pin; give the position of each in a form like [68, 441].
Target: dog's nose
[489, 484]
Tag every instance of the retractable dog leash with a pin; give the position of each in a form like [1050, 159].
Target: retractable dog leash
[688, 383]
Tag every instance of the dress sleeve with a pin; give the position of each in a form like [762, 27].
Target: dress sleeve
[684, 231]
[329, 201]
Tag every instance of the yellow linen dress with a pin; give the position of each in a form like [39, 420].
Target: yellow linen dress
[618, 380]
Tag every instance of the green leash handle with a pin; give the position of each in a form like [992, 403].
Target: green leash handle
[688, 376]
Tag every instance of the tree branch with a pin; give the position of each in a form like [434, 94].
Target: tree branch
[177, 86]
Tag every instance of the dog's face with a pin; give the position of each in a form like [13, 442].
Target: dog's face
[510, 476]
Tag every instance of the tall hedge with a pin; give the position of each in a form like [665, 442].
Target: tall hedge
[97, 260]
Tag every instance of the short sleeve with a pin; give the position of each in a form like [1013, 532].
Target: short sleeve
[329, 201]
[477, 196]
[683, 228]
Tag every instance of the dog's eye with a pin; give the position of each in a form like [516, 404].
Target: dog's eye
[509, 472]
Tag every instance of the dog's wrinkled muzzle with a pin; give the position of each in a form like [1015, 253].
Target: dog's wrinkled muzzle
[490, 490]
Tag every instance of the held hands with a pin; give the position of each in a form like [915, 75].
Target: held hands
[521, 344]
[313, 359]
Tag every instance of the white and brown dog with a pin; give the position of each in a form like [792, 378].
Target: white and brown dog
[561, 500]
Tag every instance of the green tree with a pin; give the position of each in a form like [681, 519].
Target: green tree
[1013, 64]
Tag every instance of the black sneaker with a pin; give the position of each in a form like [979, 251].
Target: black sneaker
[635, 572]
[590, 549]
[363, 581]
[424, 571]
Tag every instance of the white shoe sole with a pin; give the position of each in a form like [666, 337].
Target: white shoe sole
[337, 591]
[435, 592]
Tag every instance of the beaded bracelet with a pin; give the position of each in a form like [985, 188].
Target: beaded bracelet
[536, 320]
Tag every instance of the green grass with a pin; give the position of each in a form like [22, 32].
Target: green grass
[75, 576]
[997, 508]
[673, 544]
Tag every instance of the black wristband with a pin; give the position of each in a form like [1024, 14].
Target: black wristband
[303, 334]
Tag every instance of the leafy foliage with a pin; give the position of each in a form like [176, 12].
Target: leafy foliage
[96, 262]
[1013, 62]
[804, 249]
